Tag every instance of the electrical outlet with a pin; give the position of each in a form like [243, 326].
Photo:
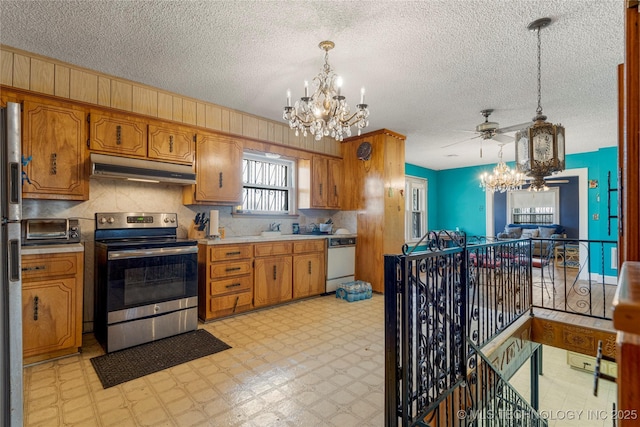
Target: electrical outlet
[596, 217]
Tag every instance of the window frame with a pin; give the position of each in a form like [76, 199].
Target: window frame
[411, 183]
[290, 188]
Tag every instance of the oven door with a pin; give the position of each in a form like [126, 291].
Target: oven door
[140, 277]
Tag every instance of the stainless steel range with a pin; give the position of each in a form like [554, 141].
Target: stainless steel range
[146, 279]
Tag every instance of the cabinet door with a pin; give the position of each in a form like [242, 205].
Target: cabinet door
[218, 169]
[319, 182]
[272, 280]
[49, 316]
[334, 182]
[171, 143]
[54, 138]
[308, 275]
[117, 134]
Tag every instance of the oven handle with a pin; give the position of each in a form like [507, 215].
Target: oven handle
[146, 253]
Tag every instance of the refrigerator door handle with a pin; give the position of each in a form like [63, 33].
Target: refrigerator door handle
[14, 260]
[15, 183]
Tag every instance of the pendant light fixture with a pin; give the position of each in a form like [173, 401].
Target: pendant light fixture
[540, 149]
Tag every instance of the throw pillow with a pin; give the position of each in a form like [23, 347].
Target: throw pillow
[513, 232]
[529, 233]
[546, 232]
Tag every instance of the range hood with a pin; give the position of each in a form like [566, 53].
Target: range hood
[114, 167]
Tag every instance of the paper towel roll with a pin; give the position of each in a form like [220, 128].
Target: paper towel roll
[214, 223]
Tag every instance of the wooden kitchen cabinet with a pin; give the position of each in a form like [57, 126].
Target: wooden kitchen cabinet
[273, 273]
[320, 182]
[171, 143]
[309, 271]
[225, 280]
[218, 171]
[54, 138]
[119, 134]
[52, 286]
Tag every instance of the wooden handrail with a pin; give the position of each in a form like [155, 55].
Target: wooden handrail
[626, 303]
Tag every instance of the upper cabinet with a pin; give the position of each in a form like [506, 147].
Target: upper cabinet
[320, 183]
[171, 143]
[218, 171]
[118, 134]
[54, 138]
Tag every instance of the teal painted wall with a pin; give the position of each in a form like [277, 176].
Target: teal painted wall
[456, 200]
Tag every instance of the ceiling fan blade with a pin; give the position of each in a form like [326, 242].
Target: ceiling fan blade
[513, 128]
[557, 181]
[459, 142]
[505, 139]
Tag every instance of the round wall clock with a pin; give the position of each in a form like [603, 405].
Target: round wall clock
[364, 151]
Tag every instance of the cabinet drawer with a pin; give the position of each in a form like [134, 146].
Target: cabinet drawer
[308, 246]
[230, 304]
[50, 265]
[234, 284]
[225, 252]
[226, 269]
[274, 248]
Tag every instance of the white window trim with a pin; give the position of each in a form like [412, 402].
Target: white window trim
[556, 207]
[410, 183]
[291, 184]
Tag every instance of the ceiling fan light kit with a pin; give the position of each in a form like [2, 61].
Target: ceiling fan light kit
[540, 148]
[325, 112]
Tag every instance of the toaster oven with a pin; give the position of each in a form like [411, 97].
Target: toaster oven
[50, 231]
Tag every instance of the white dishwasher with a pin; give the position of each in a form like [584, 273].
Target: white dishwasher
[341, 261]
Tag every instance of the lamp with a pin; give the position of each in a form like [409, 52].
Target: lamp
[326, 111]
[503, 178]
[540, 147]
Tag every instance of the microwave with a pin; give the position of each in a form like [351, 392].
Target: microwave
[50, 231]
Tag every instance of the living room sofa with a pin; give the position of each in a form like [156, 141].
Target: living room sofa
[543, 236]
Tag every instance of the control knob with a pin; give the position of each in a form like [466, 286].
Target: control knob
[111, 220]
[103, 220]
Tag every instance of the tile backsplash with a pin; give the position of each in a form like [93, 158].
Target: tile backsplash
[127, 196]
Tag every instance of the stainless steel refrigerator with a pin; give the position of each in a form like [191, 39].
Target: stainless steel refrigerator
[11, 286]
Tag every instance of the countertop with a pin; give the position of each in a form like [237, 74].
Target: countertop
[52, 249]
[260, 239]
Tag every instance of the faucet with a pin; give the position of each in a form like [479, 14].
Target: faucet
[274, 226]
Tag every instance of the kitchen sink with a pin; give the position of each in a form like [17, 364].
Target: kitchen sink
[271, 234]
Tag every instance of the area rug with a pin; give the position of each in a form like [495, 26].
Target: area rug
[135, 362]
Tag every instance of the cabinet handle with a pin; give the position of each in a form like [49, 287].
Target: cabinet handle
[220, 183]
[232, 253]
[232, 285]
[232, 269]
[321, 189]
[35, 307]
[309, 267]
[118, 135]
[54, 163]
[171, 143]
[34, 268]
[235, 304]
[335, 190]
[274, 272]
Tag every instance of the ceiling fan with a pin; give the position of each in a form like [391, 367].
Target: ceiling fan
[492, 130]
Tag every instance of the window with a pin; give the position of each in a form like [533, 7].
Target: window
[415, 208]
[267, 185]
[527, 207]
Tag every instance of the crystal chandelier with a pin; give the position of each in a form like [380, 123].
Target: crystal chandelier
[502, 179]
[540, 147]
[326, 111]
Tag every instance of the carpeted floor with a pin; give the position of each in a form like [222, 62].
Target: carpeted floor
[135, 362]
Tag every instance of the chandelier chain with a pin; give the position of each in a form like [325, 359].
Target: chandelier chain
[539, 110]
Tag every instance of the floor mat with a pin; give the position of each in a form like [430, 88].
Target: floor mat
[135, 362]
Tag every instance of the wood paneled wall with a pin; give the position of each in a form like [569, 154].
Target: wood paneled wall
[27, 71]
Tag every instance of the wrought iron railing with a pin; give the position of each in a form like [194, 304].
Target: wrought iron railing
[575, 276]
[440, 303]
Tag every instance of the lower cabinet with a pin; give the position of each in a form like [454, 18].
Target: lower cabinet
[309, 271]
[52, 287]
[273, 273]
[225, 280]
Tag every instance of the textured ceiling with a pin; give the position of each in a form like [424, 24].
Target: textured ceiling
[428, 67]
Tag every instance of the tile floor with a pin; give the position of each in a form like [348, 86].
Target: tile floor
[317, 362]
